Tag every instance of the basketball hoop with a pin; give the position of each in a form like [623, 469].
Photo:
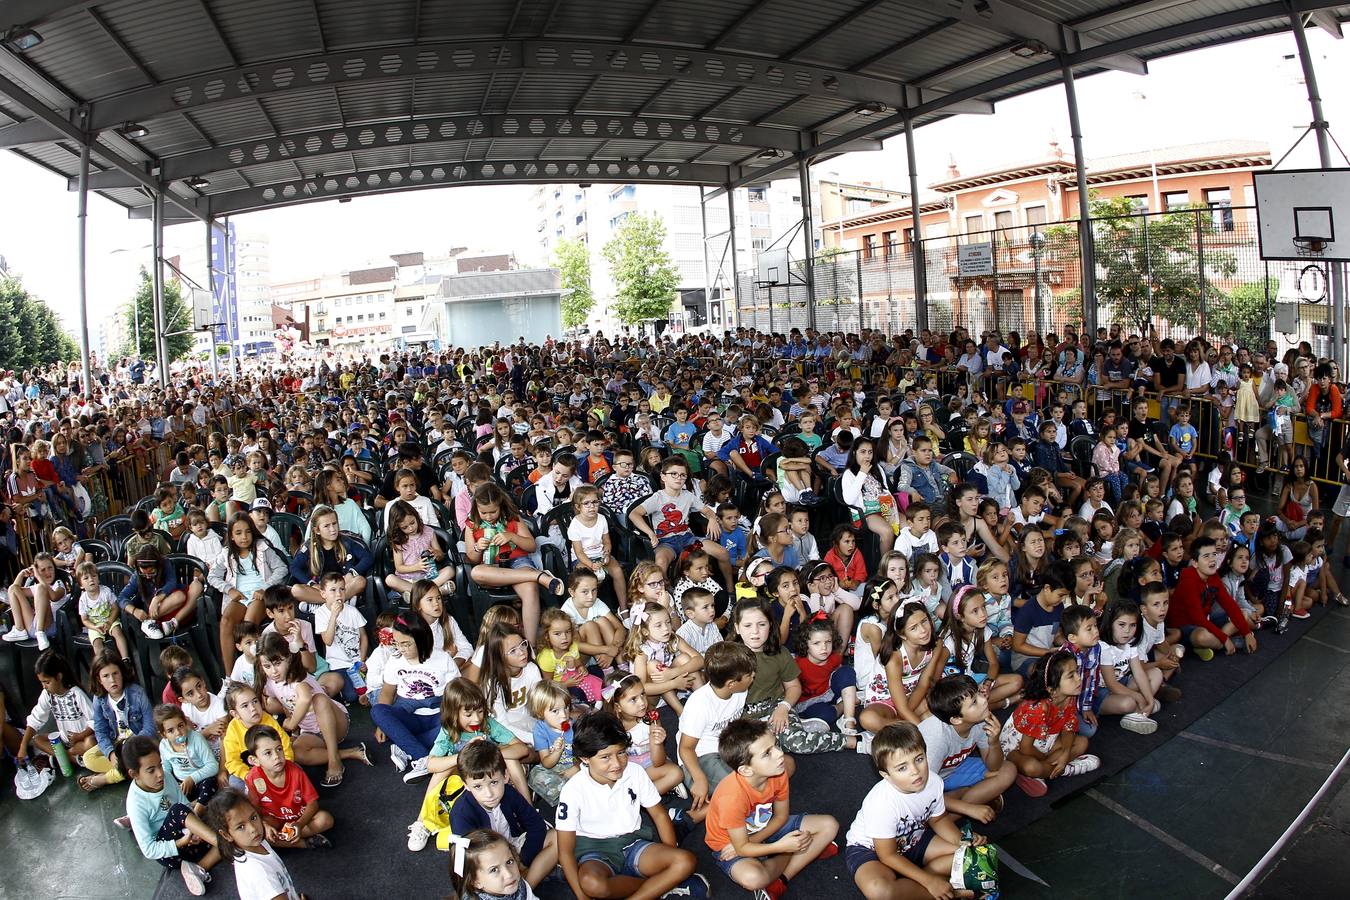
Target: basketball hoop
[1310, 246]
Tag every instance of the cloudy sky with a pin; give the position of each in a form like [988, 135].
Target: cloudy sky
[1249, 90]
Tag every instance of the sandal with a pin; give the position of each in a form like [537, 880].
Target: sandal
[330, 780]
[555, 585]
[365, 757]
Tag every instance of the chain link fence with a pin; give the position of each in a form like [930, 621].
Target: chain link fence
[1195, 271]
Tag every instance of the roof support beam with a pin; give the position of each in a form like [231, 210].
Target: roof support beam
[1089, 56]
[902, 44]
[536, 56]
[465, 173]
[104, 181]
[29, 131]
[70, 131]
[35, 12]
[1326, 20]
[843, 21]
[455, 129]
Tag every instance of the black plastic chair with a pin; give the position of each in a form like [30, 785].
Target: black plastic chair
[115, 531]
[99, 551]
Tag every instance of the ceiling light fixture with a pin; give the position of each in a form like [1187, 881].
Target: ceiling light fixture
[770, 154]
[197, 183]
[21, 39]
[876, 107]
[1030, 49]
[133, 131]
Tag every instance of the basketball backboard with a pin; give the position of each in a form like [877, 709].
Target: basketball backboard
[774, 268]
[1303, 214]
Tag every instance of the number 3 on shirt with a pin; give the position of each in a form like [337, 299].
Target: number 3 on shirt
[562, 810]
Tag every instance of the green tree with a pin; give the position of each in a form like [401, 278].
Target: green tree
[30, 333]
[573, 259]
[644, 275]
[1245, 312]
[177, 318]
[1148, 267]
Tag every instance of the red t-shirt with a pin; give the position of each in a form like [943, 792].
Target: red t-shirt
[285, 803]
[815, 679]
[44, 469]
[855, 569]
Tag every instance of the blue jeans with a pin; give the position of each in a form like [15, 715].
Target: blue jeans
[822, 707]
[400, 722]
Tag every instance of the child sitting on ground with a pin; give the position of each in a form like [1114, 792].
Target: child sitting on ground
[166, 828]
[490, 801]
[549, 703]
[962, 740]
[603, 845]
[628, 702]
[1041, 736]
[186, 755]
[241, 837]
[700, 629]
[246, 710]
[730, 668]
[561, 658]
[283, 793]
[755, 840]
[665, 663]
[902, 841]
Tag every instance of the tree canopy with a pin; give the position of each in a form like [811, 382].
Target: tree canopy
[177, 317]
[573, 259]
[644, 274]
[30, 333]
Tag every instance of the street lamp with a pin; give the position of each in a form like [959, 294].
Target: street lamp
[1037, 245]
[135, 307]
[1142, 98]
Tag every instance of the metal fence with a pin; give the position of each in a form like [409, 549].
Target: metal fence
[1189, 272]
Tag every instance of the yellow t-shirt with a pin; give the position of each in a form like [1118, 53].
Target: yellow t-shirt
[659, 404]
[551, 664]
[245, 487]
[232, 745]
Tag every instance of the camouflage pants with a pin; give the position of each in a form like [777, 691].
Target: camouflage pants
[795, 738]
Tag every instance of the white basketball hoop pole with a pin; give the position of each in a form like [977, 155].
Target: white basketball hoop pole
[1320, 125]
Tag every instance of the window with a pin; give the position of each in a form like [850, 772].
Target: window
[1220, 202]
[889, 238]
[1035, 215]
[857, 205]
[627, 192]
[1175, 200]
[975, 223]
[1003, 219]
[756, 194]
[758, 244]
[869, 246]
[1138, 202]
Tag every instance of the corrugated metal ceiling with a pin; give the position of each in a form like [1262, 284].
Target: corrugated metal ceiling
[693, 60]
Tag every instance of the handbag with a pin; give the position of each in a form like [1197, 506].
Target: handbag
[436, 807]
[1292, 511]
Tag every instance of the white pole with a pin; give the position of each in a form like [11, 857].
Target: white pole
[82, 219]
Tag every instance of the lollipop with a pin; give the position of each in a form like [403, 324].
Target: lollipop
[652, 716]
[475, 727]
[566, 727]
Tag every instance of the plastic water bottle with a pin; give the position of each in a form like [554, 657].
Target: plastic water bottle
[432, 569]
[358, 682]
[62, 757]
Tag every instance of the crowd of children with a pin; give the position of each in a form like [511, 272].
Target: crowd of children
[969, 623]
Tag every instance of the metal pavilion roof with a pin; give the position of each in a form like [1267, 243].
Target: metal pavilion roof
[237, 105]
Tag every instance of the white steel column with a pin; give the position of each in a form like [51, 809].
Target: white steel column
[735, 282]
[809, 259]
[157, 281]
[82, 220]
[1087, 262]
[919, 262]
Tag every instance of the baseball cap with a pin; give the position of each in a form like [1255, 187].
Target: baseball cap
[1019, 406]
[261, 503]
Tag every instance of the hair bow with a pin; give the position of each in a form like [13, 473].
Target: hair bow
[459, 849]
[639, 614]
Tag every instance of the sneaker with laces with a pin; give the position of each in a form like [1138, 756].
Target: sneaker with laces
[1204, 653]
[680, 791]
[815, 726]
[864, 743]
[679, 818]
[169, 626]
[1342, 600]
[772, 891]
[417, 770]
[847, 725]
[1300, 615]
[1032, 787]
[14, 635]
[151, 630]
[399, 758]
[194, 877]
[43, 641]
[696, 887]
[1138, 723]
[1082, 765]
[1269, 621]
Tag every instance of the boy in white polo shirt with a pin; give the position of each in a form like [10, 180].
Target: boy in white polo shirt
[730, 668]
[903, 831]
[604, 847]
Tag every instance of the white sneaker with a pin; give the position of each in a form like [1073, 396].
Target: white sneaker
[194, 876]
[1157, 705]
[398, 757]
[14, 635]
[815, 726]
[417, 836]
[151, 630]
[1082, 765]
[1138, 723]
[847, 725]
[416, 771]
[169, 627]
[865, 743]
[43, 641]
[680, 791]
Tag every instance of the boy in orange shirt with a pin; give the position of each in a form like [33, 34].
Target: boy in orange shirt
[754, 838]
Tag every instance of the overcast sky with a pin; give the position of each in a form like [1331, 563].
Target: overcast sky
[1246, 90]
